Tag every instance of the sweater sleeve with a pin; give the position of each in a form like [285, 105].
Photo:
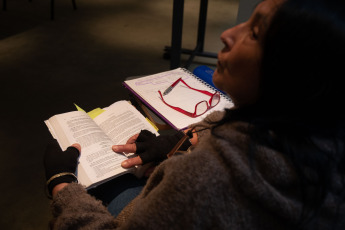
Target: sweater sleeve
[74, 208]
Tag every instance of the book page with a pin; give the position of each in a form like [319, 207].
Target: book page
[121, 121]
[72, 127]
[97, 159]
[118, 123]
[147, 88]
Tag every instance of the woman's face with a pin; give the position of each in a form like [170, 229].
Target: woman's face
[238, 67]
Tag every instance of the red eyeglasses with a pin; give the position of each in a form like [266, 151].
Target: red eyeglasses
[201, 107]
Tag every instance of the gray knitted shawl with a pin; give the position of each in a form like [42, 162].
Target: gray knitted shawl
[213, 187]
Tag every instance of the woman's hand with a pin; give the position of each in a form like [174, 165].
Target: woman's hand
[129, 147]
[149, 147]
[60, 166]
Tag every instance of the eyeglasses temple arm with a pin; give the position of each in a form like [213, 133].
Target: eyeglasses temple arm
[201, 91]
[176, 108]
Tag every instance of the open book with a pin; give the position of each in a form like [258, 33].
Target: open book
[115, 125]
[146, 89]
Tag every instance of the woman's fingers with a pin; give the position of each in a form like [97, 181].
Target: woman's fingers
[127, 148]
[131, 162]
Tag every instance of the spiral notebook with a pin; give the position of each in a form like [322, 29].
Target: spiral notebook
[146, 90]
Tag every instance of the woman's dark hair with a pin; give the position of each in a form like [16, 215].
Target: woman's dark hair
[303, 67]
[303, 60]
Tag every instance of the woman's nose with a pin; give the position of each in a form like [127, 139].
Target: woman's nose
[229, 36]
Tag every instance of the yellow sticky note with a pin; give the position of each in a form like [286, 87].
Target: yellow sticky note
[153, 125]
[78, 108]
[94, 113]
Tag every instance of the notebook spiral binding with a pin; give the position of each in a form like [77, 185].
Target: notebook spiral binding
[226, 97]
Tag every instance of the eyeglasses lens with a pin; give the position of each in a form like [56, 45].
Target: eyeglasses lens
[201, 108]
[215, 100]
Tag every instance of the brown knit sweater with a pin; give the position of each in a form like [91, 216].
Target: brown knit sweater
[213, 187]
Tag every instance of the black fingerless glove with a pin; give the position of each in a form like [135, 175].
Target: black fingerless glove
[151, 148]
[60, 166]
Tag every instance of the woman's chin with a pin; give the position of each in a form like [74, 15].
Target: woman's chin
[215, 79]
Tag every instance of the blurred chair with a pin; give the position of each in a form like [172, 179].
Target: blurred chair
[52, 8]
[175, 50]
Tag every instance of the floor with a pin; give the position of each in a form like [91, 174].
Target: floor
[81, 57]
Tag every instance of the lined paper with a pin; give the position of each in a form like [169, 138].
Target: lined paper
[146, 88]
